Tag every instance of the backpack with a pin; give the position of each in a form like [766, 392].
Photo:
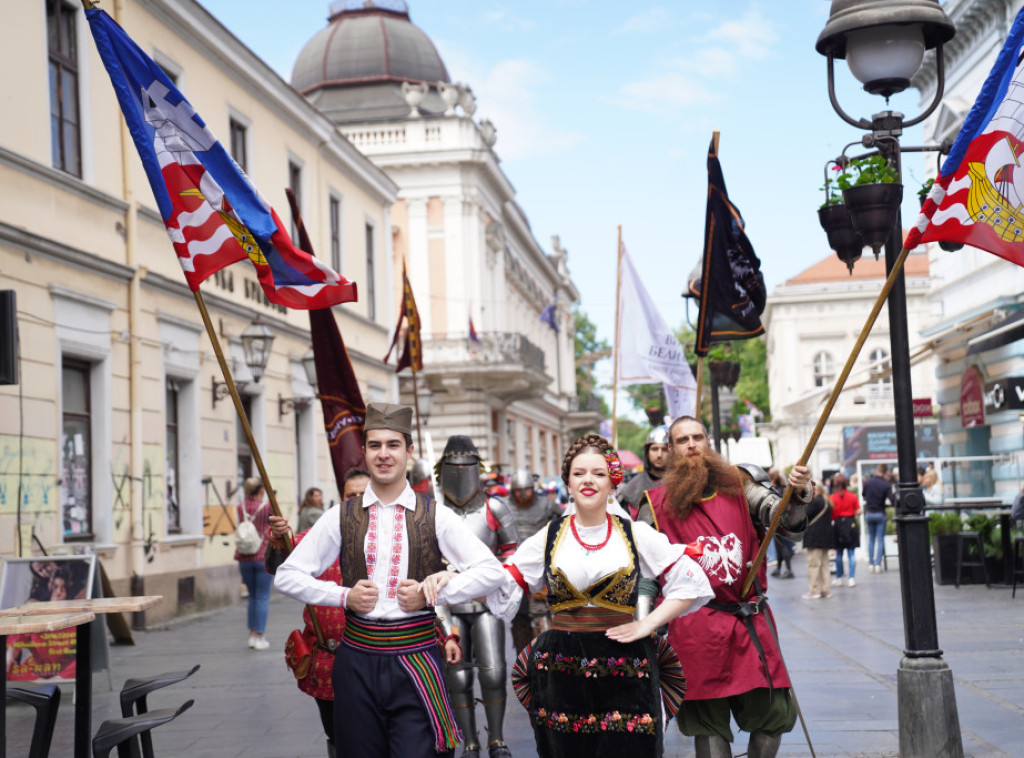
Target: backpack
[247, 537]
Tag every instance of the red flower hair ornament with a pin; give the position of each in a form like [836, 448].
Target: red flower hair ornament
[614, 467]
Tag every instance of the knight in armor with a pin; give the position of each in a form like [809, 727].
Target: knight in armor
[419, 477]
[482, 634]
[533, 512]
[733, 663]
[657, 455]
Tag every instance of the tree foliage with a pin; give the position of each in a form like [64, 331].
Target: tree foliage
[588, 349]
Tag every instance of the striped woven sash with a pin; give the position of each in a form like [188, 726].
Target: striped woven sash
[589, 619]
[413, 641]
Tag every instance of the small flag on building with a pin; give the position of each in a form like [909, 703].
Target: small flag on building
[412, 354]
[214, 215]
[549, 316]
[978, 197]
[473, 336]
[730, 288]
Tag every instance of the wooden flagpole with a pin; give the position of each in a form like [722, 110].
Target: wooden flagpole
[701, 315]
[615, 353]
[890, 281]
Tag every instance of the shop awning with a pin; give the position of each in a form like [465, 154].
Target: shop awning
[1006, 332]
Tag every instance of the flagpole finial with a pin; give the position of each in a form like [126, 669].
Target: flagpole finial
[89, 5]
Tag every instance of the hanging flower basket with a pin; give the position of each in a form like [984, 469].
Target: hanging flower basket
[873, 209]
[725, 373]
[848, 244]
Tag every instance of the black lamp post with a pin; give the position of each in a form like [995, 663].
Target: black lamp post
[884, 42]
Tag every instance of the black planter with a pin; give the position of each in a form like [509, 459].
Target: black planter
[838, 226]
[951, 247]
[873, 209]
[944, 558]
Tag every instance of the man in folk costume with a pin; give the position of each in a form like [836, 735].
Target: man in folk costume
[492, 521]
[389, 695]
[732, 661]
[657, 455]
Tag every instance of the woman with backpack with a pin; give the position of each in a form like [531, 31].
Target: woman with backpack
[250, 548]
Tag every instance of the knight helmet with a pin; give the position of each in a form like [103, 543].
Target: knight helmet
[458, 470]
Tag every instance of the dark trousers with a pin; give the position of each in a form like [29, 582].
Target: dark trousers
[377, 711]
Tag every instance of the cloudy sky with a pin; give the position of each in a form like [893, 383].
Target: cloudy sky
[605, 110]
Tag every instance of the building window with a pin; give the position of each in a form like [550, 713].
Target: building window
[371, 289]
[334, 212]
[238, 144]
[171, 460]
[878, 360]
[76, 451]
[65, 129]
[824, 369]
[295, 184]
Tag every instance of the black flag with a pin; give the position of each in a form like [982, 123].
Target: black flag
[733, 300]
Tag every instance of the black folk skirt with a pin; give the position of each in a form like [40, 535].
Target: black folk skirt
[590, 696]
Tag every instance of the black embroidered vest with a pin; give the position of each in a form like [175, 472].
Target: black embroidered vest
[617, 591]
[424, 552]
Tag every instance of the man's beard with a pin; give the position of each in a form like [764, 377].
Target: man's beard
[691, 478]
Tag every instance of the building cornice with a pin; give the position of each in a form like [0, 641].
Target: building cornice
[974, 21]
[61, 180]
[39, 245]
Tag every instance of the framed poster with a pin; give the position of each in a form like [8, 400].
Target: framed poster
[44, 655]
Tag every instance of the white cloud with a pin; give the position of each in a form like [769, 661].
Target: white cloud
[664, 92]
[651, 20]
[751, 36]
[506, 96]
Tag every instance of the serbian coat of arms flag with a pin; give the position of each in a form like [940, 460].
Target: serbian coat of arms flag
[978, 198]
[214, 215]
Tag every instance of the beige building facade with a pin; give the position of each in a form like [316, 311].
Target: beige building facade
[115, 440]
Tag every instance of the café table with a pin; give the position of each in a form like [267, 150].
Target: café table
[29, 624]
[83, 646]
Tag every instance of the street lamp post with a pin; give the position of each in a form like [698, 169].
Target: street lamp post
[884, 43]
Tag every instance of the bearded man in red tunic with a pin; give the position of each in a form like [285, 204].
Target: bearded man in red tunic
[732, 663]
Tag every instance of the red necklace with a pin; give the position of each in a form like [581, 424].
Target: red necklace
[584, 545]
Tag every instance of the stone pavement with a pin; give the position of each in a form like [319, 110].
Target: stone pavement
[843, 654]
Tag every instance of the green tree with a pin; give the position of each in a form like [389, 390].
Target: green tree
[588, 350]
[631, 436]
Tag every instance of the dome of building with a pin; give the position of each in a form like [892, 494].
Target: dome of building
[353, 69]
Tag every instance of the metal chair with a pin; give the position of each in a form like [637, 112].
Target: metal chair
[119, 732]
[46, 701]
[133, 701]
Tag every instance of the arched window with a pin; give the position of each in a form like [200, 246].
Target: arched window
[824, 369]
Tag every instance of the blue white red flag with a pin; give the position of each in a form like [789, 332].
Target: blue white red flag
[213, 213]
[978, 198]
[473, 336]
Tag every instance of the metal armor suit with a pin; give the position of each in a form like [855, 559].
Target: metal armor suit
[482, 634]
[533, 511]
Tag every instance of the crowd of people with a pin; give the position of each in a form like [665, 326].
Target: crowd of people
[624, 598]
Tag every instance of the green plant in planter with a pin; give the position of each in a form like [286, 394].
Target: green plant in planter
[922, 193]
[873, 169]
[988, 528]
[943, 523]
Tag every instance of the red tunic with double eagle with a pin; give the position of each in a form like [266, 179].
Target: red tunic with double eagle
[715, 647]
[332, 622]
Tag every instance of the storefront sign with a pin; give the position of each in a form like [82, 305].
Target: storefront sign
[1005, 394]
[865, 443]
[922, 407]
[972, 399]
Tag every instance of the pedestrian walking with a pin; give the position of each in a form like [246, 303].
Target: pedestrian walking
[250, 565]
[845, 529]
[817, 543]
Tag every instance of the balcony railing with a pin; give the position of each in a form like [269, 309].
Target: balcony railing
[491, 347]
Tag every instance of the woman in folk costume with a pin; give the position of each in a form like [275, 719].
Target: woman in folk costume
[594, 683]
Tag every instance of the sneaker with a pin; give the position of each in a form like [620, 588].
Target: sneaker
[837, 582]
[252, 640]
[852, 582]
[260, 643]
[811, 596]
[826, 595]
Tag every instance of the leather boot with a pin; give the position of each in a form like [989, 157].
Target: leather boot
[762, 745]
[712, 746]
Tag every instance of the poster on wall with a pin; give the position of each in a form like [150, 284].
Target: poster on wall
[44, 656]
[865, 443]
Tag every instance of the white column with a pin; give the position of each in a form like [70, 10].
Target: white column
[419, 262]
[458, 277]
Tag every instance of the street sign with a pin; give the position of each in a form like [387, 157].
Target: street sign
[922, 407]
